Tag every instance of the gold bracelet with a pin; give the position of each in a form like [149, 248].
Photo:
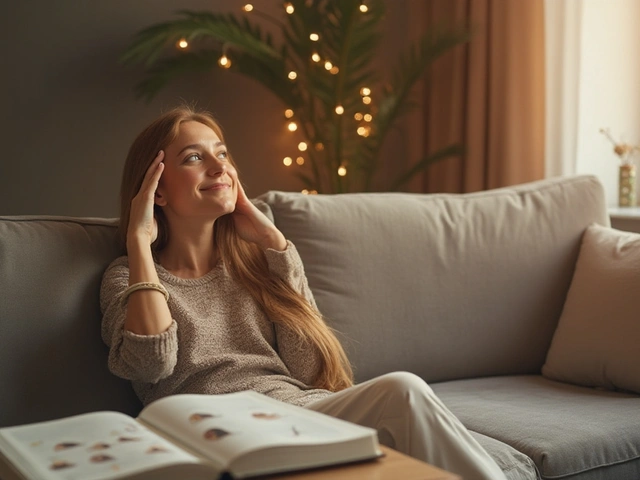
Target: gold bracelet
[144, 286]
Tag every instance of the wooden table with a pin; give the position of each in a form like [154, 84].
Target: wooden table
[393, 466]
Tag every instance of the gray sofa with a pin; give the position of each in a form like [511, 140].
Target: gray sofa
[464, 290]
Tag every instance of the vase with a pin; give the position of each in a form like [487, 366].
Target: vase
[627, 185]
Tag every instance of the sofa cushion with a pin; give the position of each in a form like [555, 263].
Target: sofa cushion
[411, 280]
[570, 432]
[596, 342]
[54, 362]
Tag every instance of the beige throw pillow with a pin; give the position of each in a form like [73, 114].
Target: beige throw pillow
[597, 342]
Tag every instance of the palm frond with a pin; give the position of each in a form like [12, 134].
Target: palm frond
[453, 150]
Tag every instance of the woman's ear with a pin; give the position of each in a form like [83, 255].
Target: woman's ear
[159, 199]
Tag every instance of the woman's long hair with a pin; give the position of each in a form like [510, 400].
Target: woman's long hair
[246, 262]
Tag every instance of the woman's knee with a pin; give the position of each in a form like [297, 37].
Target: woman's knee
[404, 383]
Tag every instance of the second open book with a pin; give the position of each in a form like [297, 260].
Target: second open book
[184, 436]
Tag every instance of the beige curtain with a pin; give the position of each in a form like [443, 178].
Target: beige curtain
[488, 95]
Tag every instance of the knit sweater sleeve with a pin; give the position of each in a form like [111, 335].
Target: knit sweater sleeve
[288, 266]
[303, 363]
[142, 358]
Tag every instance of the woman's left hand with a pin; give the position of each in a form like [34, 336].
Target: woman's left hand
[253, 226]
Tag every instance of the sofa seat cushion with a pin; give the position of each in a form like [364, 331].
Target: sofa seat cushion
[570, 432]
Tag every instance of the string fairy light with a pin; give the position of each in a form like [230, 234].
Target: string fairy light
[288, 113]
[364, 131]
[365, 91]
[328, 65]
[302, 146]
[224, 61]
[314, 37]
[288, 7]
[358, 116]
[287, 161]
[300, 160]
[334, 70]
[368, 117]
[339, 109]
[248, 7]
[342, 170]
[292, 75]
[363, 7]
[315, 56]
[366, 100]
[182, 43]
[292, 126]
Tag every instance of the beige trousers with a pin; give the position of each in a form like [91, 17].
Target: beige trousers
[411, 419]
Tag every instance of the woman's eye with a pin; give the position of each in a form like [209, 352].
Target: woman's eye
[192, 158]
[223, 155]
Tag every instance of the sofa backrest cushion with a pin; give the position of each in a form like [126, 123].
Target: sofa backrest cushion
[53, 362]
[444, 285]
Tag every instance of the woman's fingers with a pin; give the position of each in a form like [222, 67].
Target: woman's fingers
[153, 174]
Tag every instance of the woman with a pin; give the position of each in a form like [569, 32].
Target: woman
[211, 298]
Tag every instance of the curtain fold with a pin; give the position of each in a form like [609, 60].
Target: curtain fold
[488, 95]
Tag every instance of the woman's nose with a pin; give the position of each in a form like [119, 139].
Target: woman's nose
[216, 167]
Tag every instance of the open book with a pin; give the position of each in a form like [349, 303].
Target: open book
[184, 436]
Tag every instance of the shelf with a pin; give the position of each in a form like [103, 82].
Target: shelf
[624, 212]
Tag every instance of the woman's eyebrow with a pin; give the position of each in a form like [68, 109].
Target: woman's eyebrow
[196, 146]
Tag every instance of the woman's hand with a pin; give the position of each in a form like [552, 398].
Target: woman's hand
[142, 223]
[252, 225]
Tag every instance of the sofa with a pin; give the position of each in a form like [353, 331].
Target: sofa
[472, 292]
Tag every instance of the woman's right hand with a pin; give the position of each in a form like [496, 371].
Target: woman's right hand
[142, 223]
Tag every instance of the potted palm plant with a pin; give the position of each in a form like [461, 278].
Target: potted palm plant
[321, 69]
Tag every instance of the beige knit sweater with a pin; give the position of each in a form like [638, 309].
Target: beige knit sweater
[220, 340]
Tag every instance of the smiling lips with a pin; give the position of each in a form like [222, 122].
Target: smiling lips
[216, 186]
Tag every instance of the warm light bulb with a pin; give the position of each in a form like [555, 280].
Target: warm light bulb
[334, 70]
[339, 109]
[302, 146]
[364, 8]
[358, 116]
[366, 100]
[293, 126]
[224, 61]
[368, 117]
[292, 75]
[314, 37]
[182, 43]
[287, 161]
[365, 92]
[328, 65]
[289, 8]
[319, 146]
[248, 7]
[300, 161]
[315, 57]
[342, 170]
[288, 113]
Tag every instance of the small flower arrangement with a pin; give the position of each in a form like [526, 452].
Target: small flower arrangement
[622, 150]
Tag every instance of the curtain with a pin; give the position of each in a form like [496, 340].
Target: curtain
[488, 95]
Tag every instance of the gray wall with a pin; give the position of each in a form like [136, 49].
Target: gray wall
[69, 113]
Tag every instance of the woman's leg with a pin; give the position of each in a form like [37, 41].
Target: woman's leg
[411, 419]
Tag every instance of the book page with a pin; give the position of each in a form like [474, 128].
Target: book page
[102, 445]
[223, 427]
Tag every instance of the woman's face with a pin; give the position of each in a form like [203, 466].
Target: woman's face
[198, 178]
